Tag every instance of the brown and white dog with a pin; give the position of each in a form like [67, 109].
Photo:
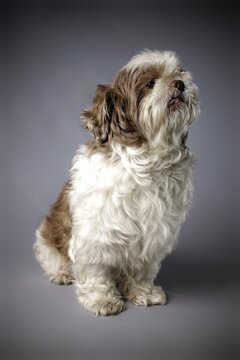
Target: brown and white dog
[129, 190]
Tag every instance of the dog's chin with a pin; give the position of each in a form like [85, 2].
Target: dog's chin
[176, 102]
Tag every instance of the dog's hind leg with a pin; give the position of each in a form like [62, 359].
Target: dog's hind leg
[52, 240]
[56, 266]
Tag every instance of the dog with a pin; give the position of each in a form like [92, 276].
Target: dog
[129, 189]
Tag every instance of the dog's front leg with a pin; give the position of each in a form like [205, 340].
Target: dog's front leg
[96, 291]
[140, 289]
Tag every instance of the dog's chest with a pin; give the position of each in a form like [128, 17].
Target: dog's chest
[161, 209]
[165, 197]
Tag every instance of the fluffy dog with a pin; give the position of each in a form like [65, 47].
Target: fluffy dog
[129, 190]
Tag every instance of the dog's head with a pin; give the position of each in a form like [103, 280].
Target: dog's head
[152, 99]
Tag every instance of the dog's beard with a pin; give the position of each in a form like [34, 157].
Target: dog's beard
[166, 121]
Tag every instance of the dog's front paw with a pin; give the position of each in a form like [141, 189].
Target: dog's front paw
[104, 307]
[155, 297]
[61, 278]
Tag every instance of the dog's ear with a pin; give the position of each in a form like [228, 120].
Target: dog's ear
[109, 118]
[97, 119]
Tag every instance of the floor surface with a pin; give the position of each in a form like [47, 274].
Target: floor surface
[45, 321]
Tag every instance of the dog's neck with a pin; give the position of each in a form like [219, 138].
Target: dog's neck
[144, 160]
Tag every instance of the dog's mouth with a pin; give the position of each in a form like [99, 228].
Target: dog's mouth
[176, 100]
[184, 139]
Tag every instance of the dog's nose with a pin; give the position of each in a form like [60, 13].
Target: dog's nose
[179, 84]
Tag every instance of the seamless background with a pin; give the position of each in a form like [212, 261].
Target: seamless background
[53, 54]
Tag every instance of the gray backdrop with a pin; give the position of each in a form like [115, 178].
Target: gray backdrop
[54, 53]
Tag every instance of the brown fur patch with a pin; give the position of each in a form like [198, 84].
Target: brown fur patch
[93, 147]
[56, 226]
[110, 118]
[115, 109]
[134, 83]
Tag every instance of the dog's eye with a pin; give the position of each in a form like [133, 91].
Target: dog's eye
[150, 84]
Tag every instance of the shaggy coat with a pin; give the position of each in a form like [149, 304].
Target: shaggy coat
[129, 190]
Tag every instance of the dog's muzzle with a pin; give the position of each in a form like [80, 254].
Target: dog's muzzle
[177, 97]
